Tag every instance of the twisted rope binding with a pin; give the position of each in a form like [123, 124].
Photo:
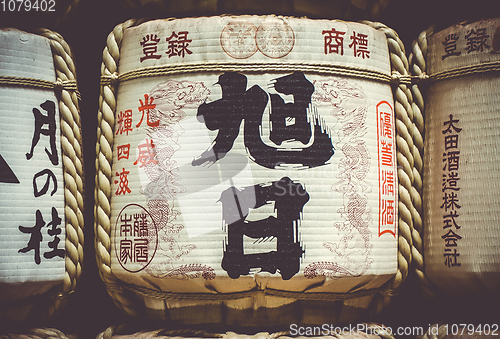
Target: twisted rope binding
[239, 295]
[104, 156]
[72, 160]
[418, 68]
[320, 68]
[406, 132]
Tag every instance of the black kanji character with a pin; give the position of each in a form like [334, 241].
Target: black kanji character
[50, 131]
[289, 199]
[289, 122]
[35, 238]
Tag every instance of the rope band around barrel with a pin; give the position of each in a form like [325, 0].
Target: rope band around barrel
[330, 69]
[110, 78]
[68, 85]
[162, 295]
[486, 67]
[320, 68]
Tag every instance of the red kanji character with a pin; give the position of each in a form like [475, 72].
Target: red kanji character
[146, 106]
[177, 44]
[386, 125]
[123, 151]
[334, 42]
[123, 186]
[386, 153]
[387, 212]
[388, 182]
[149, 47]
[146, 154]
[360, 43]
[124, 123]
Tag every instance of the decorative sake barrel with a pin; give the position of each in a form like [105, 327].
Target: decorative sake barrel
[341, 9]
[457, 249]
[246, 169]
[41, 174]
[362, 330]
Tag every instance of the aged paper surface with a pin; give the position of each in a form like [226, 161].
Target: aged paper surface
[281, 178]
[32, 226]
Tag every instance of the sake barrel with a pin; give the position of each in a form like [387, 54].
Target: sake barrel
[460, 254]
[246, 169]
[341, 9]
[362, 330]
[41, 174]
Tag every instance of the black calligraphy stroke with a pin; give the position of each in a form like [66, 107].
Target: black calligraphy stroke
[6, 173]
[238, 103]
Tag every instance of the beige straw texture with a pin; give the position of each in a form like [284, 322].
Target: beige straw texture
[72, 160]
[408, 141]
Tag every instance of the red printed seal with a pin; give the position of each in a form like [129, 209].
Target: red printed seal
[238, 39]
[136, 238]
[275, 39]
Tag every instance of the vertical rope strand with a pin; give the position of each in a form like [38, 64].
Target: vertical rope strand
[72, 159]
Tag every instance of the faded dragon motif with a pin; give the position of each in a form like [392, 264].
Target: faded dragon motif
[351, 255]
[163, 180]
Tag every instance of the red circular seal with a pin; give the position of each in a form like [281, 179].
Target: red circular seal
[275, 39]
[238, 39]
[136, 238]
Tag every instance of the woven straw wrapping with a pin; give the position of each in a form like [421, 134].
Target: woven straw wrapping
[460, 80]
[48, 304]
[127, 295]
[370, 330]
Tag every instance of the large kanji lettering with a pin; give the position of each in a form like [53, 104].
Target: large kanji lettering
[50, 131]
[289, 199]
[289, 122]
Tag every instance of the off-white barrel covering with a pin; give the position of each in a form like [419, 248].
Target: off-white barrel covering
[41, 186]
[460, 191]
[252, 164]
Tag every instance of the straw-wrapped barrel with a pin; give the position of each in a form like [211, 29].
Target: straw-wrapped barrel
[247, 169]
[41, 174]
[457, 248]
